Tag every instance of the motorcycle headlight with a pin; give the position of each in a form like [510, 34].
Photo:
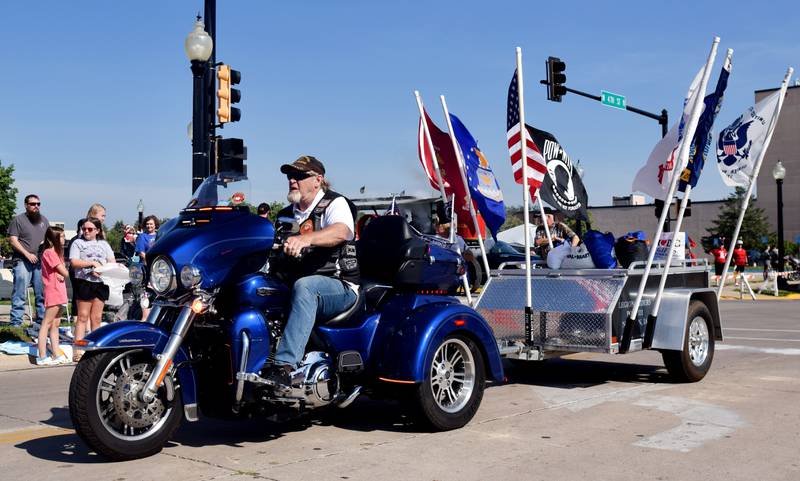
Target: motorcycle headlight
[136, 274]
[190, 276]
[162, 276]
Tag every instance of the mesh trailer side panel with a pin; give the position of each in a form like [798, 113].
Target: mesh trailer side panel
[570, 313]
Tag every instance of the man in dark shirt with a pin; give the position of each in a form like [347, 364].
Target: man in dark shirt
[26, 234]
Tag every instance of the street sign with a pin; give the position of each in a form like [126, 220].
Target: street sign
[612, 100]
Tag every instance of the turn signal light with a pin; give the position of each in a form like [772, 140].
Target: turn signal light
[198, 306]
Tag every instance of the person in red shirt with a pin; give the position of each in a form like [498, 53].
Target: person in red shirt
[739, 260]
[720, 253]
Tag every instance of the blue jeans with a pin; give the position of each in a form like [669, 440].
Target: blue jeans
[312, 296]
[26, 273]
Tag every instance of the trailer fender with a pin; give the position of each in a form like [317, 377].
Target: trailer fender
[136, 334]
[671, 322]
[410, 347]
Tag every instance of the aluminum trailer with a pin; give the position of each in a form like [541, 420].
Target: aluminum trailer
[586, 310]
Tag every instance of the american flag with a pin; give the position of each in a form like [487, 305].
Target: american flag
[537, 166]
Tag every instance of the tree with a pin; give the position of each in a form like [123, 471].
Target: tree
[754, 224]
[8, 197]
[114, 235]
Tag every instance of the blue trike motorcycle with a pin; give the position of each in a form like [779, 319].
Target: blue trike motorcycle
[219, 313]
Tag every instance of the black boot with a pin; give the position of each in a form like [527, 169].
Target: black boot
[279, 375]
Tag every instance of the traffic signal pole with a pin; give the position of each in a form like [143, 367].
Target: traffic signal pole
[209, 80]
[662, 119]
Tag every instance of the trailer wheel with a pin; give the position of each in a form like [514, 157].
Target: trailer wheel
[693, 362]
[452, 390]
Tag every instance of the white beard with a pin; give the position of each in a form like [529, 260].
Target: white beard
[294, 196]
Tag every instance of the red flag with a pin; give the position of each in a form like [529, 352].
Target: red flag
[448, 166]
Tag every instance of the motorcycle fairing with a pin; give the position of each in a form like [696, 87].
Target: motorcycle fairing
[253, 323]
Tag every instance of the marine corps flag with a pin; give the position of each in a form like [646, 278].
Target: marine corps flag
[448, 165]
[562, 187]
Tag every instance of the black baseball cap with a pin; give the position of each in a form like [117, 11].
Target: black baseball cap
[306, 163]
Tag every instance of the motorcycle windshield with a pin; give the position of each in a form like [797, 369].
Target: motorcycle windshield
[224, 189]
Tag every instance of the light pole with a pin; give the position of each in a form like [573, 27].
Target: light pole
[199, 46]
[778, 173]
[140, 209]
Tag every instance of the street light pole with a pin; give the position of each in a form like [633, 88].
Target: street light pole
[778, 173]
[199, 47]
[140, 210]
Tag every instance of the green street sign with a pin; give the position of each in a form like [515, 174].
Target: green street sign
[612, 100]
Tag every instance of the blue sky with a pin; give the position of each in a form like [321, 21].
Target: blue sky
[97, 94]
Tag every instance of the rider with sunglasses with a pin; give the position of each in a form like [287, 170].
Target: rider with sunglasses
[324, 278]
[26, 234]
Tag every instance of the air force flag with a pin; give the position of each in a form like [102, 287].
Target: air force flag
[740, 143]
[483, 186]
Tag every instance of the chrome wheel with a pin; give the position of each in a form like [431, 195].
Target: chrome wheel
[122, 412]
[452, 375]
[698, 341]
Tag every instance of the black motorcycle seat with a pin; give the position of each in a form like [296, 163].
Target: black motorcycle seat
[370, 295]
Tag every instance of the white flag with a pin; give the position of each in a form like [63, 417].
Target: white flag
[740, 144]
[655, 177]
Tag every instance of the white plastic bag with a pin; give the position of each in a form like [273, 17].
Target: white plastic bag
[557, 254]
[578, 258]
[115, 276]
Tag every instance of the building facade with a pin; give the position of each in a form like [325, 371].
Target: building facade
[621, 219]
[785, 146]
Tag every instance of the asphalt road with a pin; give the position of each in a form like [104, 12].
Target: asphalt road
[584, 417]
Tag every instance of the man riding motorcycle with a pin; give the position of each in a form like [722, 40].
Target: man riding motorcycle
[320, 262]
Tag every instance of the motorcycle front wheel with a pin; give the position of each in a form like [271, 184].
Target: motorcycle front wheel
[107, 412]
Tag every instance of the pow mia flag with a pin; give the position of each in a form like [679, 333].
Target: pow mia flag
[562, 187]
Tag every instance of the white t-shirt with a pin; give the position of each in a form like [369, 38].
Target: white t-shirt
[92, 251]
[338, 211]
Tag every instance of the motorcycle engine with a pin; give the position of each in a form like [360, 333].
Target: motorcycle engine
[315, 381]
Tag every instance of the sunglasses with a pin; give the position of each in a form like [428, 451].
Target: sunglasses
[89, 229]
[35, 204]
[298, 176]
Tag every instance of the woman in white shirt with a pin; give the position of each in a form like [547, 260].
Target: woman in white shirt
[86, 254]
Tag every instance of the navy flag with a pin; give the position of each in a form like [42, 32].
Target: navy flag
[703, 137]
[562, 186]
[483, 186]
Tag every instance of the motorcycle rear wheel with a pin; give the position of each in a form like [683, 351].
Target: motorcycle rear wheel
[452, 391]
[107, 413]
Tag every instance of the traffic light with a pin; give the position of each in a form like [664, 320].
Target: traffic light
[556, 78]
[227, 95]
[231, 156]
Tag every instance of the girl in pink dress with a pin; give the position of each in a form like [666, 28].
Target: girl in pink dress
[55, 296]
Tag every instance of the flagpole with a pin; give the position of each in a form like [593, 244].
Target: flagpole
[544, 221]
[461, 170]
[683, 156]
[753, 177]
[652, 318]
[452, 239]
[428, 140]
[523, 134]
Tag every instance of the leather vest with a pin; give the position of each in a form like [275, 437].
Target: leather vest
[339, 262]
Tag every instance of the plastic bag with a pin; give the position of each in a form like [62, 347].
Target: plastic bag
[115, 276]
[601, 247]
[557, 254]
[578, 258]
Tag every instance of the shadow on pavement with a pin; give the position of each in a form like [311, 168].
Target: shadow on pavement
[579, 373]
[62, 448]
